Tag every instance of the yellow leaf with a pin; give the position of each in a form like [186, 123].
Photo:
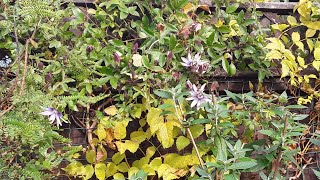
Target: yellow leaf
[101, 132]
[132, 171]
[91, 11]
[156, 163]
[138, 136]
[251, 86]
[288, 54]
[139, 163]
[317, 53]
[150, 151]
[91, 156]
[88, 171]
[121, 147]
[292, 20]
[132, 146]
[154, 119]
[148, 169]
[279, 27]
[219, 23]
[165, 169]
[117, 157]
[312, 24]
[111, 169]
[111, 110]
[120, 130]
[137, 60]
[196, 130]
[285, 69]
[275, 44]
[123, 167]
[295, 36]
[300, 45]
[100, 170]
[182, 142]
[274, 54]
[187, 8]
[164, 135]
[34, 43]
[118, 176]
[101, 154]
[310, 44]
[316, 64]
[310, 32]
[304, 11]
[301, 61]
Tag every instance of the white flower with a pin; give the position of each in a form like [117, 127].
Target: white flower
[54, 116]
[191, 61]
[195, 64]
[198, 97]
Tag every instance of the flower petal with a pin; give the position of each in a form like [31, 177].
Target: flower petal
[202, 87]
[194, 102]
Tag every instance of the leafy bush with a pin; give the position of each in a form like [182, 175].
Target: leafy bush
[126, 71]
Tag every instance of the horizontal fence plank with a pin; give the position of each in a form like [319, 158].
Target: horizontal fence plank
[263, 6]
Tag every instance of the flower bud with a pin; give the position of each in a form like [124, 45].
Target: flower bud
[214, 86]
[116, 58]
[89, 49]
[169, 56]
[40, 65]
[176, 75]
[48, 77]
[135, 48]
[189, 85]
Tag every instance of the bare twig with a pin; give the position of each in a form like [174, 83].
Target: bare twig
[189, 132]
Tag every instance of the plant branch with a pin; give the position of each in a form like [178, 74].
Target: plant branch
[189, 132]
[278, 160]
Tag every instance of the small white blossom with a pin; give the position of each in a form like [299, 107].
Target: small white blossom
[195, 63]
[190, 61]
[54, 116]
[198, 97]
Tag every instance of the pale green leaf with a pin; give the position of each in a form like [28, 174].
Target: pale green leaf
[182, 142]
[100, 170]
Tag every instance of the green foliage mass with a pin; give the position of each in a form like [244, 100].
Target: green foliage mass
[115, 69]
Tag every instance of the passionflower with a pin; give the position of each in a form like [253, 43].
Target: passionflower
[54, 116]
[195, 63]
[191, 61]
[198, 97]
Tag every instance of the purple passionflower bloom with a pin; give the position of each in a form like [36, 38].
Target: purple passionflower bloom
[191, 61]
[198, 97]
[54, 116]
[195, 64]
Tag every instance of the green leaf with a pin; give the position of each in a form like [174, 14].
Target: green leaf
[182, 142]
[114, 82]
[244, 163]
[91, 156]
[315, 142]
[232, 8]
[248, 22]
[296, 107]
[88, 171]
[232, 69]
[163, 94]
[267, 132]
[100, 170]
[300, 117]
[317, 173]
